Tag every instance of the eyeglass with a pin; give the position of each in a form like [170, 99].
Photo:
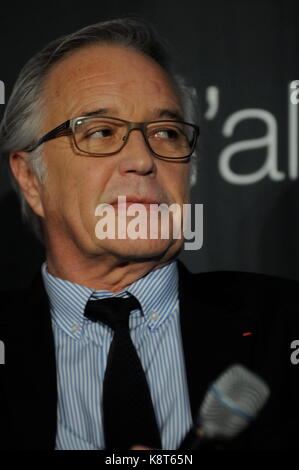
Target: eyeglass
[105, 135]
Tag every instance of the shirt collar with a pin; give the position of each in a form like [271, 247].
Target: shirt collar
[157, 293]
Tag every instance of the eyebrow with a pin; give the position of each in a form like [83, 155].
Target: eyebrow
[168, 114]
[160, 113]
[92, 113]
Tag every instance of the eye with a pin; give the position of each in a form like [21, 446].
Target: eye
[169, 134]
[99, 133]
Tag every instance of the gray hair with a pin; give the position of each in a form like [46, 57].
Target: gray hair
[21, 123]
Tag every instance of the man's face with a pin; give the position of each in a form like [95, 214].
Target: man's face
[130, 86]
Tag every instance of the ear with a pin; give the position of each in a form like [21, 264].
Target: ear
[27, 180]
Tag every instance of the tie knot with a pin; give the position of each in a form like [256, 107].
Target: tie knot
[113, 311]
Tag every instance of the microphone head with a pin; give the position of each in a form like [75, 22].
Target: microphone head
[232, 402]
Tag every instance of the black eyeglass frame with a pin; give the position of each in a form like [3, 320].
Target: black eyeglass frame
[68, 128]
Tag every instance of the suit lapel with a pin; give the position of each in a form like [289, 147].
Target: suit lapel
[213, 321]
[31, 370]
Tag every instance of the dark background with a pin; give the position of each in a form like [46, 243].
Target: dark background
[249, 50]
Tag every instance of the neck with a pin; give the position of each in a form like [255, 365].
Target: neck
[101, 272]
[102, 275]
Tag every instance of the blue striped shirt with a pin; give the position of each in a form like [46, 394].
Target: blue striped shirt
[82, 348]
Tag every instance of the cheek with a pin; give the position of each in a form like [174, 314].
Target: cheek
[65, 175]
[177, 180]
[84, 188]
[60, 189]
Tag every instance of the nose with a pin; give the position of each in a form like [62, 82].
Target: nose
[136, 157]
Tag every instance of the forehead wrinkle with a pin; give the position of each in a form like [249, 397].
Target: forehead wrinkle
[64, 93]
[112, 87]
[113, 99]
[96, 81]
[111, 77]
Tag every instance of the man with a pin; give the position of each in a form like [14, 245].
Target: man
[95, 115]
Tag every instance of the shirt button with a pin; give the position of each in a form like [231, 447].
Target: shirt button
[154, 315]
[75, 328]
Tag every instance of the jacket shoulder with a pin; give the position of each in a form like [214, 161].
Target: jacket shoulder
[249, 294]
[246, 282]
[20, 301]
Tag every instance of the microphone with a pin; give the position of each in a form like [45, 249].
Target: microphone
[231, 403]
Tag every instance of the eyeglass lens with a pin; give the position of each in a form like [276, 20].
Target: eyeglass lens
[104, 136]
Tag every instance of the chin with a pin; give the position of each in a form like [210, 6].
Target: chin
[143, 249]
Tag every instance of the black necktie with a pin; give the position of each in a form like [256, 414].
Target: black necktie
[129, 416]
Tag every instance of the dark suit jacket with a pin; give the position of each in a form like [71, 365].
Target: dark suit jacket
[215, 308]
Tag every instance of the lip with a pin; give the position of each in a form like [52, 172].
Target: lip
[134, 200]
